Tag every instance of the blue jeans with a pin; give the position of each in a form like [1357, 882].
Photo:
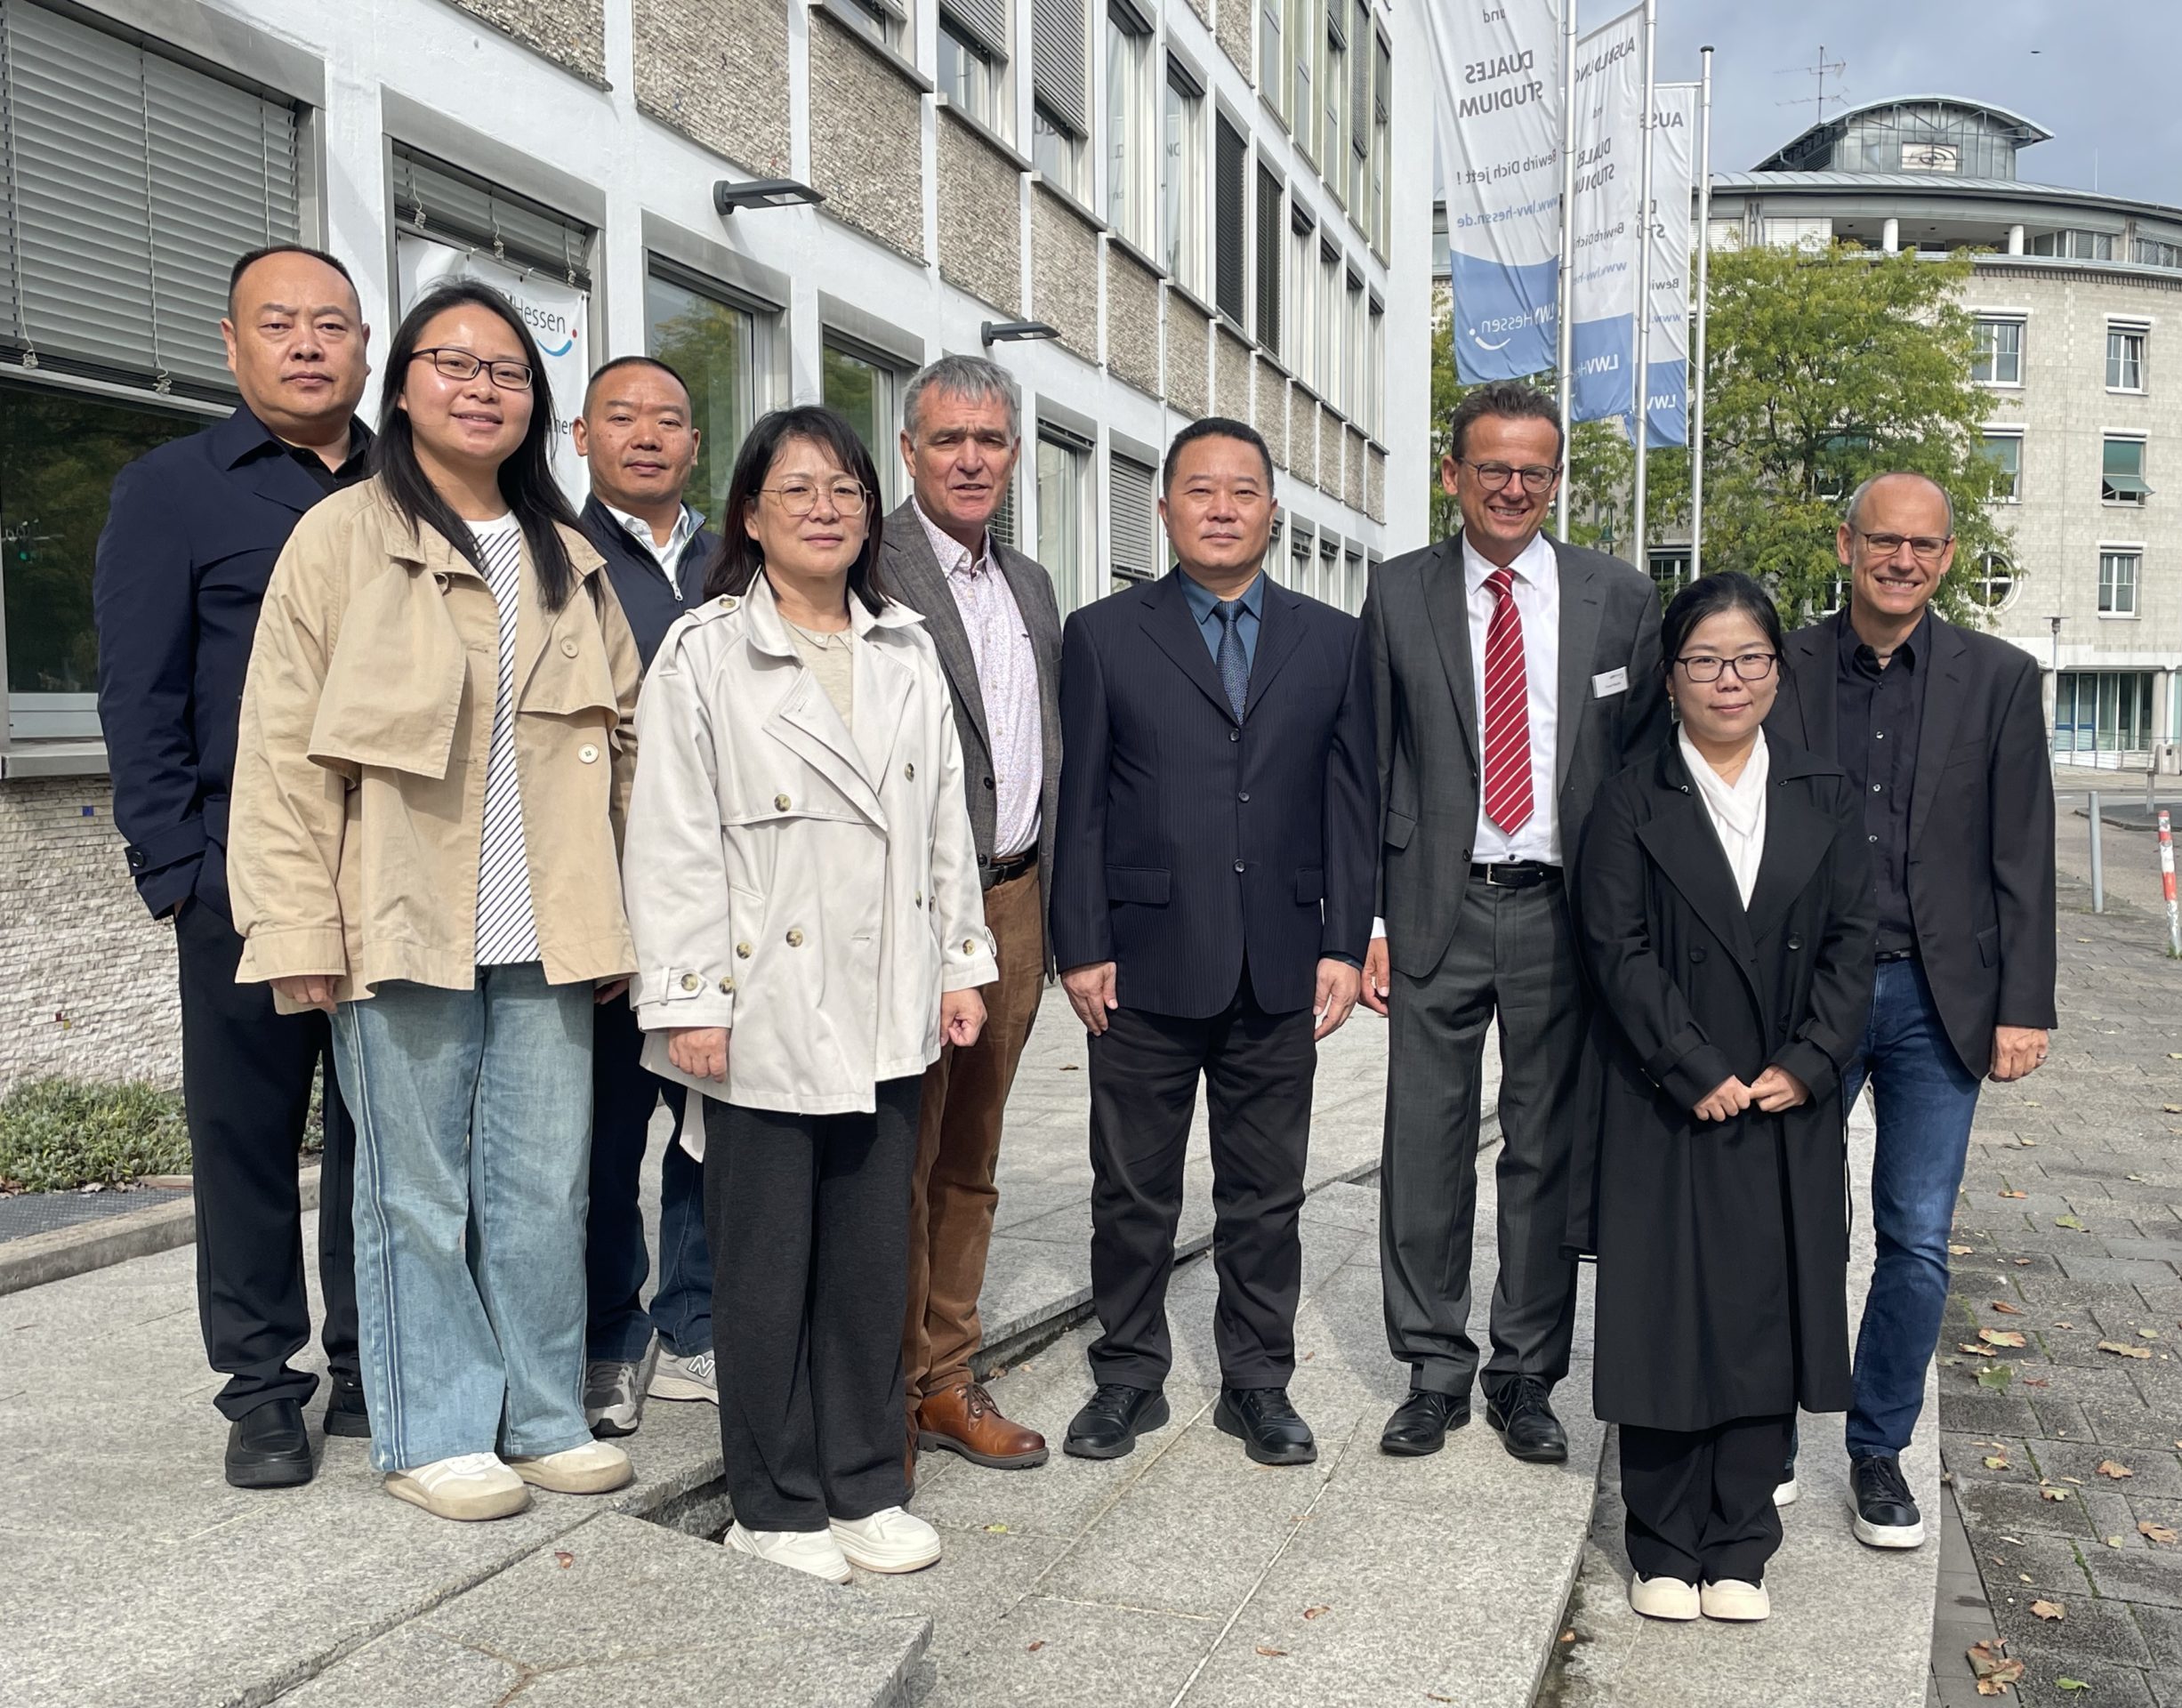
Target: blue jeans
[472, 1166]
[1925, 1102]
[624, 1097]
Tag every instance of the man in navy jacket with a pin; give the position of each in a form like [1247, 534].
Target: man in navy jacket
[190, 540]
[1211, 901]
[636, 434]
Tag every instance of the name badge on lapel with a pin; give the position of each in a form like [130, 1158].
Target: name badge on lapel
[1612, 681]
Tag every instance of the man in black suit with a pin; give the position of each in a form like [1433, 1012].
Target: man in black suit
[190, 542]
[638, 439]
[1211, 896]
[1942, 731]
[1512, 674]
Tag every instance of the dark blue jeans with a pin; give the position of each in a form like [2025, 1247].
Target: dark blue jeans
[617, 1263]
[1925, 1102]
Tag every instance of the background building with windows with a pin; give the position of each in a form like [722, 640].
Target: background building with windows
[1197, 195]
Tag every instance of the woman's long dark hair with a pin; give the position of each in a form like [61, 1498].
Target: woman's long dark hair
[738, 562]
[1725, 589]
[525, 479]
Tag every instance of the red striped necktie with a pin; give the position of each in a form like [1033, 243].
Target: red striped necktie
[1507, 711]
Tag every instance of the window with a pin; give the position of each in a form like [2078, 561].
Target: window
[2153, 253]
[1669, 566]
[1303, 111]
[2103, 712]
[1382, 109]
[1303, 555]
[1064, 513]
[1129, 159]
[1302, 327]
[864, 389]
[713, 344]
[1797, 234]
[1059, 79]
[1329, 567]
[885, 21]
[2122, 476]
[1996, 352]
[1375, 371]
[2125, 357]
[1131, 487]
[1330, 325]
[1995, 584]
[1271, 236]
[1182, 182]
[973, 54]
[1230, 219]
[1359, 110]
[1332, 74]
[1056, 150]
[1272, 70]
[2117, 582]
[2004, 451]
[1350, 594]
[2076, 246]
[1354, 385]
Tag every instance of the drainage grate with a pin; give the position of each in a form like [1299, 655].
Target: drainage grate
[40, 1213]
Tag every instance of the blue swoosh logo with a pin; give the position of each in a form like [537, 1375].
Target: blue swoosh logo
[566, 347]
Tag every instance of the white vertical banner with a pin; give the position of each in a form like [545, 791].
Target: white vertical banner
[555, 312]
[1674, 126]
[1497, 105]
[1603, 285]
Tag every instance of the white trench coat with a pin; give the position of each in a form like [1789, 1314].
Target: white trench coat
[811, 888]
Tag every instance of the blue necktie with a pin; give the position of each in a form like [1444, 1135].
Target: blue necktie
[1234, 661]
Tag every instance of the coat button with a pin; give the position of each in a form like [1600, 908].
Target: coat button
[909, 773]
[588, 753]
[1795, 942]
[795, 939]
[690, 981]
[1696, 955]
[970, 945]
[727, 987]
[780, 803]
[920, 898]
[988, 782]
[727, 602]
[1238, 866]
[741, 951]
[567, 646]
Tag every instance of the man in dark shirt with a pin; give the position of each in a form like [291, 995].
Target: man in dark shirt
[1943, 731]
[191, 535]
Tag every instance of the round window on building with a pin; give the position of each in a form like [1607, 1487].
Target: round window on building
[1993, 586]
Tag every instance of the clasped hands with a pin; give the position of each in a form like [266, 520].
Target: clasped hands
[1773, 1091]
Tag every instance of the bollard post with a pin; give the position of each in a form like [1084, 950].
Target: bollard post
[2166, 880]
[2098, 863]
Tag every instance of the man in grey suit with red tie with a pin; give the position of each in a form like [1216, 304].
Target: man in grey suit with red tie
[1512, 674]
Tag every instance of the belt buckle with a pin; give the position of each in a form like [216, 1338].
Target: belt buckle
[1493, 867]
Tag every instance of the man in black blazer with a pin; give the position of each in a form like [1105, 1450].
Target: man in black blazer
[640, 442]
[1512, 675]
[190, 538]
[1942, 731]
[1212, 897]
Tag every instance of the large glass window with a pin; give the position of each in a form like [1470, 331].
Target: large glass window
[2122, 472]
[970, 76]
[1302, 343]
[885, 21]
[2125, 357]
[1129, 156]
[2004, 451]
[1182, 183]
[1332, 75]
[1271, 238]
[1303, 111]
[1382, 107]
[2103, 712]
[2076, 246]
[1329, 326]
[2117, 573]
[1996, 353]
[1272, 67]
[1063, 514]
[714, 345]
[1231, 222]
[1057, 151]
[864, 389]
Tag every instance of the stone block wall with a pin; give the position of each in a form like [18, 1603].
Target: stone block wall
[87, 976]
[1329, 451]
[1232, 25]
[1063, 271]
[716, 71]
[1272, 420]
[1188, 327]
[1231, 385]
[1376, 485]
[1132, 320]
[571, 33]
[980, 217]
[1352, 469]
[1303, 437]
[866, 138]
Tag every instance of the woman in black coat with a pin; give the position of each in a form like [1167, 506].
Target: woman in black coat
[1726, 917]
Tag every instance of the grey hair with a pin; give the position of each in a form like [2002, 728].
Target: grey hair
[971, 378]
[1856, 498]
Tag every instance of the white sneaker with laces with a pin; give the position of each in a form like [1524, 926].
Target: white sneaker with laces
[694, 1377]
[804, 1550]
[1731, 1598]
[594, 1468]
[469, 1485]
[893, 1539]
[1663, 1598]
[1786, 1493]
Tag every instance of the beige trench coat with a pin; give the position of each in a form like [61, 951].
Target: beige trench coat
[810, 887]
[359, 785]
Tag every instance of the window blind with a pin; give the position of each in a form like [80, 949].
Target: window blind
[1229, 167]
[132, 184]
[984, 22]
[1269, 259]
[1136, 527]
[1056, 61]
[445, 202]
[1360, 82]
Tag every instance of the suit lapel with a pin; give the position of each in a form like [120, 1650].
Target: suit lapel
[1280, 631]
[1814, 668]
[1166, 618]
[1580, 614]
[1797, 838]
[1936, 727]
[1028, 583]
[922, 576]
[1680, 838]
[1446, 605]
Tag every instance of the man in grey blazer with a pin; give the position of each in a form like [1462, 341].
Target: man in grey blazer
[991, 612]
[1513, 675]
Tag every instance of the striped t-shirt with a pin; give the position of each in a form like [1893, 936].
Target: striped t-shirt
[507, 931]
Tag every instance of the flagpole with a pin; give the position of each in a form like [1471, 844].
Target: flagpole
[1696, 365]
[1641, 428]
[1564, 317]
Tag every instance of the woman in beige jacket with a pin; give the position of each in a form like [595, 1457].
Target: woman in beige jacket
[802, 886]
[436, 749]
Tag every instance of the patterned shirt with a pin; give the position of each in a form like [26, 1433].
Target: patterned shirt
[507, 929]
[1008, 679]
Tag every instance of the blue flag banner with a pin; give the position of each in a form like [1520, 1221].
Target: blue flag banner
[1674, 148]
[1609, 135]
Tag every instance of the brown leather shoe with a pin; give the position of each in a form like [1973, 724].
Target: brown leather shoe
[963, 1418]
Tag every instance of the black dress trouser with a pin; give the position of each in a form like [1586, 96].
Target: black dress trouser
[1701, 1501]
[246, 1074]
[1258, 1069]
[807, 1216]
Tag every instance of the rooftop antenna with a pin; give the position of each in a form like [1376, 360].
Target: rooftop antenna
[1823, 70]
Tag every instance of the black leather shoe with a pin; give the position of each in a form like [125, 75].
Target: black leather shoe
[268, 1448]
[345, 1412]
[1270, 1432]
[1111, 1419]
[1887, 1515]
[1527, 1427]
[1420, 1423]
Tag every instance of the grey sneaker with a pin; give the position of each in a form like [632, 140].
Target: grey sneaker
[614, 1391]
[690, 1378]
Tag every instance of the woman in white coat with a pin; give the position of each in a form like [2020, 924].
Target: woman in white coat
[802, 889]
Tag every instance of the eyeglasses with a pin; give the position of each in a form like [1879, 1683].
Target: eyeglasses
[799, 498]
[1493, 476]
[1926, 547]
[1749, 667]
[458, 363]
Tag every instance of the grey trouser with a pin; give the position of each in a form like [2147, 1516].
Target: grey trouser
[1514, 953]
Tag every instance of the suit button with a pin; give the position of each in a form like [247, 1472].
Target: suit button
[727, 987]
[1795, 942]
[1696, 955]
[1238, 866]
[741, 951]
[1234, 735]
[567, 646]
[988, 782]
[920, 898]
[587, 753]
[780, 803]
[795, 938]
[690, 981]
[1243, 797]
[909, 773]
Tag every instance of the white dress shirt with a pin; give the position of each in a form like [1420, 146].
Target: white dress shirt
[1537, 594]
[1737, 810]
[667, 552]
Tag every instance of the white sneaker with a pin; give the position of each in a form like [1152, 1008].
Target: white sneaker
[1732, 1599]
[468, 1487]
[893, 1539]
[1786, 1493]
[805, 1551]
[694, 1377]
[1663, 1598]
[595, 1468]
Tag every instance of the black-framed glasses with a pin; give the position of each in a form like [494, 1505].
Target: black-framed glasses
[456, 362]
[1748, 666]
[1493, 476]
[1925, 547]
[799, 498]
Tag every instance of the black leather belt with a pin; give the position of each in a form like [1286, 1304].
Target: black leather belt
[1885, 956]
[1006, 871]
[1516, 875]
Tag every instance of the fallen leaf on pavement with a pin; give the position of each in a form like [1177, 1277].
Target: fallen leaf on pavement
[1982, 1351]
[1270, 1653]
[1994, 1667]
[2002, 1337]
[1312, 1612]
[1568, 1636]
[996, 1529]
[2028, 1144]
[2046, 1491]
[2069, 1684]
[1995, 1462]
[2049, 1609]
[2009, 1193]
[1035, 1646]
[2121, 1350]
[2171, 1108]
[2076, 1222]
[1958, 1251]
[2036, 1381]
[2007, 1309]
[2022, 1262]
[2147, 1333]
[563, 1558]
[2064, 1324]
[2077, 1480]
[1996, 1375]
[2152, 1532]
[2113, 1541]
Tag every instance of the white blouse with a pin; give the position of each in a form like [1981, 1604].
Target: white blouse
[1737, 810]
